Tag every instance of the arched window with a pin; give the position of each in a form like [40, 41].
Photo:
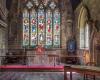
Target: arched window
[43, 25]
[84, 29]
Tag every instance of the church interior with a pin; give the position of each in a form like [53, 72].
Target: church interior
[49, 39]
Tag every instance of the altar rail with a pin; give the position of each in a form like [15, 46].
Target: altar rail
[35, 59]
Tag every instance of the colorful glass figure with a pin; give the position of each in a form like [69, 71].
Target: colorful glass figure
[25, 28]
[33, 21]
[56, 28]
[48, 28]
[41, 25]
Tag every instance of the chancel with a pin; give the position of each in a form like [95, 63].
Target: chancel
[49, 40]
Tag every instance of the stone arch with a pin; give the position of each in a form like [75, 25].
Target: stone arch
[83, 19]
[83, 16]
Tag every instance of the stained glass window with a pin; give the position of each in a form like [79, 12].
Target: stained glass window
[41, 25]
[87, 37]
[33, 22]
[84, 29]
[49, 28]
[56, 28]
[36, 2]
[29, 4]
[84, 37]
[25, 28]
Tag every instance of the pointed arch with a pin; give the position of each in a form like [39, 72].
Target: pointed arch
[83, 28]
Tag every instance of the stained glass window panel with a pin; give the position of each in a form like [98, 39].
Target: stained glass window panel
[25, 28]
[29, 5]
[33, 21]
[56, 28]
[41, 25]
[48, 28]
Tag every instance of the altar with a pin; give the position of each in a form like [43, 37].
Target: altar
[43, 57]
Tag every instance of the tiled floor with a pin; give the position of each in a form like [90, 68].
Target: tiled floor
[37, 76]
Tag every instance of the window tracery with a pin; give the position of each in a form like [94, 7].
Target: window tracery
[41, 25]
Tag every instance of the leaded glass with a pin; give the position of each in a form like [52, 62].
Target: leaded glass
[25, 28]
[87, 36]
[52, 5]
[33, 22]
[48, 28]
[29, 5]
[82, 38]
[41, 25]
[56, 28]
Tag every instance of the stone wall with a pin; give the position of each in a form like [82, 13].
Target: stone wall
[93, 9]
[3, 30]
[3, 44]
